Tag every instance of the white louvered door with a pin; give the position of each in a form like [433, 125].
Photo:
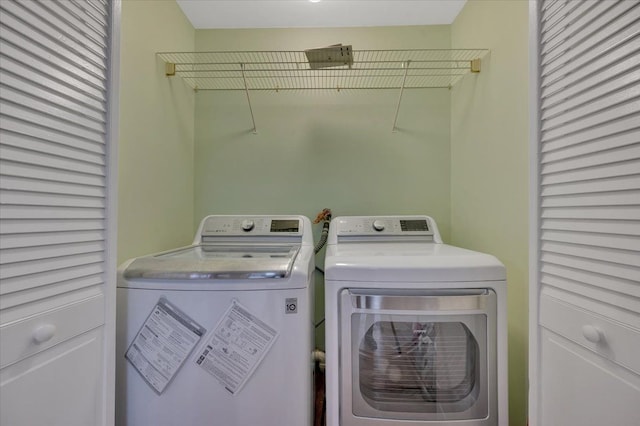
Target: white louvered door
[58, 86]
[585, 280]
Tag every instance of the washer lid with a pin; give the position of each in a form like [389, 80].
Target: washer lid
[215, 261]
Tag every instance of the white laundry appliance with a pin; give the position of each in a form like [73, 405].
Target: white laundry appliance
[220, 332]
[416, 330]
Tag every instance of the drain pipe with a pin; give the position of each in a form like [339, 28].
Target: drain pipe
[318, 357]
[319, 391]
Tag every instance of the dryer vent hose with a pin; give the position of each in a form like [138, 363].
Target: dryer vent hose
[325, 217]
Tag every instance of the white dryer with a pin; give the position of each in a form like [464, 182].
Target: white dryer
[220, 332]
[416, 330]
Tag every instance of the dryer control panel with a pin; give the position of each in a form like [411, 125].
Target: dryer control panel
[369, 227]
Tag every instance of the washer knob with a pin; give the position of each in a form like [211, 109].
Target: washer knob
[378, 225]
[247, 225]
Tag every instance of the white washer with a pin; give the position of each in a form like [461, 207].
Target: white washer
[416, 330]
[247, 280]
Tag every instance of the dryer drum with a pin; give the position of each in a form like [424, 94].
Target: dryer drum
[416, 366]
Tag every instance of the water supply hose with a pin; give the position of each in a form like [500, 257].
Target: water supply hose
[325, 217]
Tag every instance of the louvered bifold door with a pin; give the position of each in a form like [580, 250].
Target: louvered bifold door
[590, 152]
[588, 239]
[57, 103]
[53, 129]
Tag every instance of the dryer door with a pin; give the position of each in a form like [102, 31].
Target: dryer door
[418, 356]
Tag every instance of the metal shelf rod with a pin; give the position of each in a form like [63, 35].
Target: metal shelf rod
[354, 70]
[423, 61]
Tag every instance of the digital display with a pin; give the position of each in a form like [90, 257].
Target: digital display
[414, 225]
[290, 225]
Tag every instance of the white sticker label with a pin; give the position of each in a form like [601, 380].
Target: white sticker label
[163, 343]
[235, 348]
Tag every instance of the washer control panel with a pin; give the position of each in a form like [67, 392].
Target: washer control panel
[383, 225]
[251, 225]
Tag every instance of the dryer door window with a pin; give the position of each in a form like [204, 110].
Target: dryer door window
[409, 364]
[418, 366]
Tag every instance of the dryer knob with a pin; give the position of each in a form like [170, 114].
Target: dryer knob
[378, 225]
[247, 225]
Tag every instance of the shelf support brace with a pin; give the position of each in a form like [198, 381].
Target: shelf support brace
[246, 89]
[404, 79]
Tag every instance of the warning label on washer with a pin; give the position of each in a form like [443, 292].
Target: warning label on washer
[236, 347]
[163, 343]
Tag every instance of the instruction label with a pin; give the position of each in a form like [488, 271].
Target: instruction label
[163, 343]
[236, 347]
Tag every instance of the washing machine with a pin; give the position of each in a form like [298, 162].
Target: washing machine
[219, 332]
[416, 330]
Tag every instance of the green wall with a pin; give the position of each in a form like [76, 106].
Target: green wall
[155, 163]
[489, 162]
[317, 149]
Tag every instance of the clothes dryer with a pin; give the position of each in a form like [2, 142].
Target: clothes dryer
[416, 330]
[220, 332]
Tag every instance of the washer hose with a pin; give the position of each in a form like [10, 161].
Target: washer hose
[323, 237]
[325, 217]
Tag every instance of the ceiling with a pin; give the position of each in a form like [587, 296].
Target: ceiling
[209, 14]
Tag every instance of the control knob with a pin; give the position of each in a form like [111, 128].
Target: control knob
[378, 225]
[247, 225]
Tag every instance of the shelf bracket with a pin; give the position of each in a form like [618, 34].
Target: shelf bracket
[404, 79]
[169, 69]
[246, 89]
[475, 65]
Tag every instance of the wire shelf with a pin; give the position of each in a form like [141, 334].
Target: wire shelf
[290, 70]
